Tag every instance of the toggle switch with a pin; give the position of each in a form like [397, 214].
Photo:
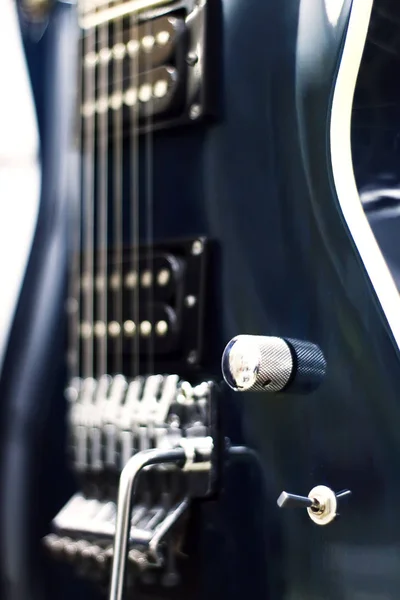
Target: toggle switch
[257, 363]
[321, 503]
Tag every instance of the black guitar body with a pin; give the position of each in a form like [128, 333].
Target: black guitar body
[33, 405]
[292, 257]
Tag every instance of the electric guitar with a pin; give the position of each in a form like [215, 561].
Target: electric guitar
[232, 328]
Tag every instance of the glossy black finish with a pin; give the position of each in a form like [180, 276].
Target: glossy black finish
[260, 183]
[375, 133]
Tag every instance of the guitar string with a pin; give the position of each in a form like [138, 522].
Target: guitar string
[103, 84]
[88, 160]
[102, 323]
[92, 103]
[149, 202]
[117, 105]
[73, 302]
[135, 194]
[148, 151]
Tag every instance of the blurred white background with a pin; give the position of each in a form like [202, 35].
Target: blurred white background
[19, 167]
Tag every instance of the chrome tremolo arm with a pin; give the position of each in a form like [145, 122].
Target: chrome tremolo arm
[187, 456]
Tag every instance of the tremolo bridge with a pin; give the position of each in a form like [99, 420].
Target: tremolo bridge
[116, 419]
[112, 420]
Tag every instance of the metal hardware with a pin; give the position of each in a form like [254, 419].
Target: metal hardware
[192, 357]
[190, 301]
[127, 482]
[321, 503]
[197, 247]
[133, 416]
[179, 456]
[172, 300]
[192, 59]
[156, 43]
[195, 111]
[154, 91]
[286, 500]
[174, 50]
[272, 364]
[91, 16]
[113, 420]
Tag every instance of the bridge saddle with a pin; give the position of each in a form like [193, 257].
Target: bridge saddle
[110, 420]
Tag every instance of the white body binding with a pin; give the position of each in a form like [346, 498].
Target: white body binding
[342, 166]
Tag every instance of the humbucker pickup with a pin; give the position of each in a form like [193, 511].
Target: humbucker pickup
[163, 300]
[92, 13]
[153, 44]
[150, 92]
[157, 64]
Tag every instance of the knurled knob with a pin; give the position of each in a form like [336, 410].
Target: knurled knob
[258, 363]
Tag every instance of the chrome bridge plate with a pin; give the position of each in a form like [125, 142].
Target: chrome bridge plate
[110, 420]
[83, 535]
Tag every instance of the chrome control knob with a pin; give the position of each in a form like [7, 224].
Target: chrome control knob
[260, 363]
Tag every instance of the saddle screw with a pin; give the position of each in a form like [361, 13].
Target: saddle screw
[195, 111]
[192, 59]
[192, 357]
[190, 301]
[197, 247]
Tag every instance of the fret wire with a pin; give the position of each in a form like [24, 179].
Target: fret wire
[118, 198]
[102, 221]
[88, 217]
